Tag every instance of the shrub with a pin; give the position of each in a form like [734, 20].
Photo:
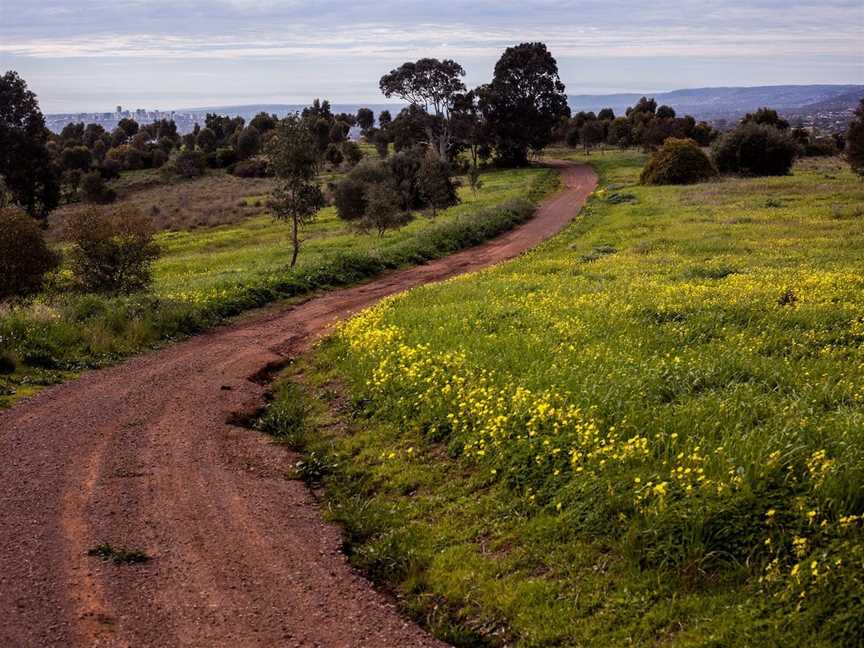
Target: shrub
[820, 147]
[111, 250]
[352, 153]
[25, 259]
[678, 161]
[158, 159]
[755, 149]
[190, 164]
[254, 168]
[349, 198]
[383, 210]
[93, 189]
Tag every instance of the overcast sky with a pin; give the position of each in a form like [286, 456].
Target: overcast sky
[95, 54]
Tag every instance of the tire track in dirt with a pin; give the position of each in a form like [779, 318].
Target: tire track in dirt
[143, 455]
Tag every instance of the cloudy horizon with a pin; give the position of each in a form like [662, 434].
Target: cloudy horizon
[95, 54]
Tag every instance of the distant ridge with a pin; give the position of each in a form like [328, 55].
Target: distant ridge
[732, 102]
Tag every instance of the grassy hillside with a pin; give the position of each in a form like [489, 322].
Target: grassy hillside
[649, 431]
[207, 274]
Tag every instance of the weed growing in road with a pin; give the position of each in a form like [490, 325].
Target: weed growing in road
[118, 555]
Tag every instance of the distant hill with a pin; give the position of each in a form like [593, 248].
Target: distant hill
[812, 104]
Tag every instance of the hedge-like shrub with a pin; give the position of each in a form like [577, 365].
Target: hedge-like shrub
[678, 161]
[111, 250]
[25, 259]
[755, 150]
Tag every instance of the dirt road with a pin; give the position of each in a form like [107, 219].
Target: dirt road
[143, 455]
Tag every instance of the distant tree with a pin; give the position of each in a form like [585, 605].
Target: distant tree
[855, 141]
[248, 143]
[384, 119]
[92, 134]
[76, 157]
[264, 122]
[190, 164]
[333, 155]
[118, 137]
[607, 114]
[294, 160]
[408, 129]
[25, 163]
[468, 126]
[365, 119]
[73, 133]
[159, 158]
[432, 86]
[523, 102]
[351, 153]
[140, 140]
[435, 183]
[383, 210]
[591, 134]
[766, 117]
[318, 108]
[678, 161]
[665, 112]
[404, 171]
[93, 189]
[620, 133]
[189, 140]
[704, 134]
[339, 132]
[755, 149]
[128, 126]
[99, 150]
[643, 106]
[206, 140]
[349, 198]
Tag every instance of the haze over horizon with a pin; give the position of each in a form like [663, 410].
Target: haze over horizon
[95, 54]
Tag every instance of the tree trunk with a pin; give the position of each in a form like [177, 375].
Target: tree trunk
[295, 240]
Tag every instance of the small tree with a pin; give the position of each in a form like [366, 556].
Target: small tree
[382, 209]
[111, 250]
[206, 140]
[248, 142]
[591, 134]
[333, 154]
[436, 187]
[365, 119]
[350, 199]
[190, 164]
[25, 259]
[294, 160]
[351, 153]
[855, 141]
[755, 149]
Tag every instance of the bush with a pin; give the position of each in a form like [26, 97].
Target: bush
[93, 189]
[255, 168]
[190, 164]
[349, 198]
[855, 141]
[111, 250]
[25, 259]
[678, 161]
[352, 153]
[755, 149]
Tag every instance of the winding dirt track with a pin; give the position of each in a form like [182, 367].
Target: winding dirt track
[143, 455]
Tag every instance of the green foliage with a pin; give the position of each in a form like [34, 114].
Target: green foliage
[25, 259]
[111, 251]
[382, 209]
[523, 102]
[118, 555]
[189, 164]
[632, 435]
[25, 163]
[678, 162]
[435, 183]
[855, 141]
[755, 149]
[94, 189]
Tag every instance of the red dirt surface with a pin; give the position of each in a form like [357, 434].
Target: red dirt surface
[144, 456]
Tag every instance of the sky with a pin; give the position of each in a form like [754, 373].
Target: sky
[91, 55]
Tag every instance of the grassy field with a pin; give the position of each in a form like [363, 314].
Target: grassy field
[649, 431]
[207, 274]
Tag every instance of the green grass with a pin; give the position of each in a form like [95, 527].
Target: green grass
[649, 431]
[207, 275]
